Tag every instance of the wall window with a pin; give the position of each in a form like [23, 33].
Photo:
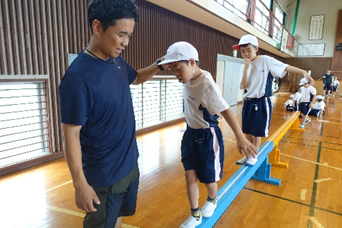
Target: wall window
[262, 15]
[278, 28]
[238, 7]
[157, 101]
[24, 128]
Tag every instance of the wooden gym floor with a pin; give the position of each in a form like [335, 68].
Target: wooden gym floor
[309, 194]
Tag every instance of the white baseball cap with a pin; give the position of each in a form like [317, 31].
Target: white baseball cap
[246, 39]
[319, 97]
[180, 51]
[303, 81]
[291, 96]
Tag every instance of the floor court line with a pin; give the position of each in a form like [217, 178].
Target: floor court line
[323, 179]
[315, 221]
[58, 186]
[303, 194]
[317, 163]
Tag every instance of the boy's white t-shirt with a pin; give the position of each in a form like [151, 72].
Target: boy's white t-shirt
[306, 93]
[336, 83]
[202, 91]
[289, 102]
[319, 105]
[297, 96]
[257, 74]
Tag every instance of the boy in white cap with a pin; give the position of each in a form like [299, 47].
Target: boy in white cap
[318, 107]
[305, 104]
[256, 79]
[289, 104]
[202, 146]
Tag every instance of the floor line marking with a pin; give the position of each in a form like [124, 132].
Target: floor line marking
[303, 194]
[325, 121]
[323, 179]
[322, 164]
[78, 214]
[314, 220]
[58, 186]
[229, 140]
[66, 211]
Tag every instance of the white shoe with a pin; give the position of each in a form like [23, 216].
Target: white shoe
[302, 126]
[192, 222]
[241, 161]
[209, 208]
[251, 161]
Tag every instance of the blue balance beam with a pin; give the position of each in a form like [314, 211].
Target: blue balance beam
[226, 194]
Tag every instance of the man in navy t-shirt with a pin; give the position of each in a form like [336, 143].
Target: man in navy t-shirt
[98, 118]
[328, 79]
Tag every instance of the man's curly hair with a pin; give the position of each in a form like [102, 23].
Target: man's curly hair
[107, 12]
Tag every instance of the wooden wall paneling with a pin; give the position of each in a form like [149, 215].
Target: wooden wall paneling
[337, 56]
[3, 52]
[318, 66]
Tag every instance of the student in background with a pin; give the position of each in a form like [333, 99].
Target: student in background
[296, 99]
[318, 107]
[336, 84]
[289, 105]
[305, 104]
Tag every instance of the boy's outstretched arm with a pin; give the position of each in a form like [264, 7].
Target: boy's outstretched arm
[296, 70]
[243, 145]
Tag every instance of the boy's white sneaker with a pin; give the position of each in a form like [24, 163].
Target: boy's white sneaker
[242, 161]
[191, 222]
[302, 126]
[209, 208]
[251, 161]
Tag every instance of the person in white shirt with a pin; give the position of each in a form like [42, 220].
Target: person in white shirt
[202, 147]
[336, 83]
[308, 95]
[289, 105]
[296, 99]
[318, 107]
[256, 79]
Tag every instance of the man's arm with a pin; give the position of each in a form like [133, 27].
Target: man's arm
[146, 73]
[243, 145]
[84, 193]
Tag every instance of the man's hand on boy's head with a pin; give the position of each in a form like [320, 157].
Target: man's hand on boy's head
[166, 66]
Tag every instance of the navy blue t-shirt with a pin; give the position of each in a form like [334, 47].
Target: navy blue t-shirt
[96, 94]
